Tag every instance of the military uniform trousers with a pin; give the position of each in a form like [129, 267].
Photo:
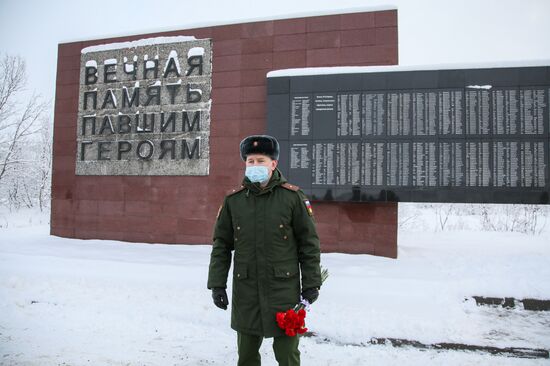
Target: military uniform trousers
[285, 349]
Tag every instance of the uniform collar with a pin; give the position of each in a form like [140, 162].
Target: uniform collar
[276, 179]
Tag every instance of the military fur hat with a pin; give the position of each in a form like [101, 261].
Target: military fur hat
[260, 144]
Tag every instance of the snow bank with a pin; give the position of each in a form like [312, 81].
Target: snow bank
[82, 302]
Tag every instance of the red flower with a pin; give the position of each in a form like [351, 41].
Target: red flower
[292, 322]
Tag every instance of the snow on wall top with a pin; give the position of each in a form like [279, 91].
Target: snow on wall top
[137, 43]
[307, 71]
[262, 18]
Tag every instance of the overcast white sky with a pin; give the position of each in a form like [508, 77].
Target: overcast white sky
[430, 31]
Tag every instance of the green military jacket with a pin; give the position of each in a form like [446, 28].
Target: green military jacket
[276, 252]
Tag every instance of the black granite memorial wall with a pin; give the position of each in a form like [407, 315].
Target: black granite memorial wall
[464, 135]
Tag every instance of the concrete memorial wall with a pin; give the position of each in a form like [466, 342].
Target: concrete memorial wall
[147, 129]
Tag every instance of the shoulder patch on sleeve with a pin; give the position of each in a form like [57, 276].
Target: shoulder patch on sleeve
[308, 206]
[290, 187]
[234, 190]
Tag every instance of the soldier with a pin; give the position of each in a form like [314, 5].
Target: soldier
[269, 224]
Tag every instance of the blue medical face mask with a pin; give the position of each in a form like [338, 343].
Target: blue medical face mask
[257, 173]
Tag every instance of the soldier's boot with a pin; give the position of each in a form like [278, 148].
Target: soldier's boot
[248, 347]
[286, 350]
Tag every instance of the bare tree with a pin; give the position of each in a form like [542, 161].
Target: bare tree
[443, 212]
[45, 167]
[18, 120]
[25, 140]
[12, 81]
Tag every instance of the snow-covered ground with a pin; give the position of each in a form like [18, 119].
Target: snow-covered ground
[93, 302]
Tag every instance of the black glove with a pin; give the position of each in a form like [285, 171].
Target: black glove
[310, 294]
[220, 297]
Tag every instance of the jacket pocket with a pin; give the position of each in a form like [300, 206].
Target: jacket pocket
[289, 270]
[241, 271]
[284, 286]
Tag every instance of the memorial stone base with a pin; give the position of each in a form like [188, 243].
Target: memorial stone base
[358, 228]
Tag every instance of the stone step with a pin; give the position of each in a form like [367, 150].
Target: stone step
[510, 302]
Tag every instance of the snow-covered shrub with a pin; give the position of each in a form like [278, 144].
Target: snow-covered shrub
[528, 219]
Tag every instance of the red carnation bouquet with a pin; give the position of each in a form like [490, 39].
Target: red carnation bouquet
[292, 321]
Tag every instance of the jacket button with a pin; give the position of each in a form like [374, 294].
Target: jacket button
[288, 273]
[238, 275]
[238, 228]
[284, 237]
[281, 226]
[236, 239]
